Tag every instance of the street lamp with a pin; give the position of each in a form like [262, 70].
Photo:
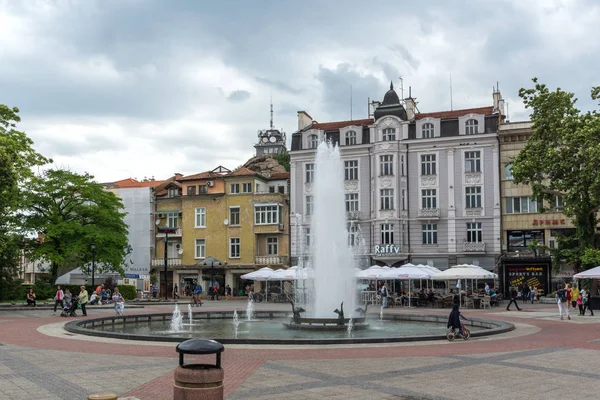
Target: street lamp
[93, 264]
[166, 230]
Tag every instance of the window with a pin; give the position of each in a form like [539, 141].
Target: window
[403, 199]
[473, 197]
[266, 215]
[520, 205]
[351, 202]
[234, 188]
[173, 192]
[172, 220]
[191, 190]
[246, 187]
[272, 246]
[313, 141]
[234, 216]
[427, 130]
[429, 233]
[389, 134]
[402, 165]
[387, 199]
[472, 161]
[310, 172]
[508, 172]
[558, 203]
[202, 189]
[351, 170]
[428, 198]
[200, 248]
[474, 232]
[352, 229]
[200, 218]
[350, 138]
[387, 233]
[428, 164]
[271, 189]
[307, 238]
[309, 205]
[234, 247]
[386, 165]
[471, 127]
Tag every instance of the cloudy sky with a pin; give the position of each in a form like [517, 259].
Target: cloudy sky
[134, 88]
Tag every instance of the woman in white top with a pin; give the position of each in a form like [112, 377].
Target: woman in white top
[119, 302]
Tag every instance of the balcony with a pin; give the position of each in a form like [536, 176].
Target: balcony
[176, 234]
[429, 213]
[271, 260]
[352, 215]
[474, 247]
[171, 262]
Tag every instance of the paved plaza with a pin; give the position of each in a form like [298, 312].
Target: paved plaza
[543, 358]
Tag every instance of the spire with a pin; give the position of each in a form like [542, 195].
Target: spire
[271, 112]
[391, 85]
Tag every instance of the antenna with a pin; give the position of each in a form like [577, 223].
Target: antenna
[451, 92]
[350, 102]
[401, 88]
[368, 107]
[271, 111]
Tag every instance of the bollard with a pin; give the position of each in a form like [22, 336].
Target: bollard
[103, 396]
[199, 381]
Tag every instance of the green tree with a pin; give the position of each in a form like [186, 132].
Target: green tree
[72, 212]
[562, 158]
[284, 160]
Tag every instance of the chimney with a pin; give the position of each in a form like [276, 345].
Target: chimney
[498, 102]
[178, 175]
[304, 120]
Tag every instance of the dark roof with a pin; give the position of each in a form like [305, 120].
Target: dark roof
[391, 97]
[456, 113]
[391, 105]
[329, 126]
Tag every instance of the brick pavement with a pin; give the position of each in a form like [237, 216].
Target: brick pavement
[527, 362]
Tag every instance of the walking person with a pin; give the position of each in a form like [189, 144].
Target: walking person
[579, 302]
[586, 300]
[58, 299]
[384, 296]
[561, 296]
[117, 298]
[574, 297]
[83, 299]
[175, 292]
[532, 293]
[513, 298]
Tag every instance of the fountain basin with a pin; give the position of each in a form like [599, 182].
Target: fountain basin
[325, 324]
[269, 330]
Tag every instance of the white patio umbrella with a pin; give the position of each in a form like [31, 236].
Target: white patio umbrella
[593, 273]
[374, 272]
[262, 274]
[464, 271]
[410, 273]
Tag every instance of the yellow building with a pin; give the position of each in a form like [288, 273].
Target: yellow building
[227, 224]
[523, 227]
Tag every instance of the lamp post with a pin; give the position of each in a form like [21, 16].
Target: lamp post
[166, 230]
[93, 264]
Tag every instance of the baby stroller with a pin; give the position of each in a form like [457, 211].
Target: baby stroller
[70, 311]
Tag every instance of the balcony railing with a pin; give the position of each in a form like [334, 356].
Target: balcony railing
[474, 246]
[429, 213]
[176, 234]
[271, 260]
[171, 262]
[352, 215]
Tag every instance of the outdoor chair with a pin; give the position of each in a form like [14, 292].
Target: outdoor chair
[486, 302]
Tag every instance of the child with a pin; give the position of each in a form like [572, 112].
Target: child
[455, 316]
[580, 303]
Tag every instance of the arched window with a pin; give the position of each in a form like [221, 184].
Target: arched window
[350, 138]
[508, 172]
[471, 127]
[313, 141]
[428, 131]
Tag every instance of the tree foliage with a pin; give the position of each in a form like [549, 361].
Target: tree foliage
[562, 157]
[72, 212]
[284, 160]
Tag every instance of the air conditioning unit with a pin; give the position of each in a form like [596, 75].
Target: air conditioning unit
[210, 184]
[281, 227]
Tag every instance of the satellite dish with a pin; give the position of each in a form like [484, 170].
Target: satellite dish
[157, 222]
[226, 222]
[180, 251]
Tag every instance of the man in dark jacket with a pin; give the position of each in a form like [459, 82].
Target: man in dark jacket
[513, 298]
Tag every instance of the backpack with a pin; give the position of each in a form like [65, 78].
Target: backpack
[562, 296]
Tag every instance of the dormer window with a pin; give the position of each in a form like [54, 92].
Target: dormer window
[173, 192]
[389, 134]
[428, 130]
[471, 127]
[350, 138]
[313, 141]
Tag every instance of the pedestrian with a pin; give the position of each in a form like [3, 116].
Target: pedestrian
[513, 298]
[532, 294]
[587, 302]
[117, 298]
[574, 296]
[579, 302]
[30, 298]
[561, 300]
[83, 299]
[384, 296]
[58, 299]
[175, 292]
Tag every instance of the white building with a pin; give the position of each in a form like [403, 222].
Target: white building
[420, 187]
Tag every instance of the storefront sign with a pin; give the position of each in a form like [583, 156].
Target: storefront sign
[388, 249]
[529, 275]
[548, 222]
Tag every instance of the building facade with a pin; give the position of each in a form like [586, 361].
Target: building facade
[420, 187]
[526, 232]
[226, 223]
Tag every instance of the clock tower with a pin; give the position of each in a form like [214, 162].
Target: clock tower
[270, 141]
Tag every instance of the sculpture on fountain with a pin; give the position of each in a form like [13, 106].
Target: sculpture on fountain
[362, 311]
[296, 311]
[340, 313]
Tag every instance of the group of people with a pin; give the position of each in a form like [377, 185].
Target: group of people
[68, 303]
[567, 297]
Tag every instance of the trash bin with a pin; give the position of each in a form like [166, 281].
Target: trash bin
[199, 381]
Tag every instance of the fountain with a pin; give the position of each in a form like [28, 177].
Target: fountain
[176, 320]
[236, 324]
[190, 314]
[350, 323]
[250, 309]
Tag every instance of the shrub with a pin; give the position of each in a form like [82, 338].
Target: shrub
[128, 292]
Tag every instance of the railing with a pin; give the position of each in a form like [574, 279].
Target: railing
[429, 213]
[271, 260]
[171, 262]
[352, 215]
[177, 233]
[474, 246]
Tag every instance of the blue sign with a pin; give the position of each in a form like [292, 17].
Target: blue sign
[132, 276]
